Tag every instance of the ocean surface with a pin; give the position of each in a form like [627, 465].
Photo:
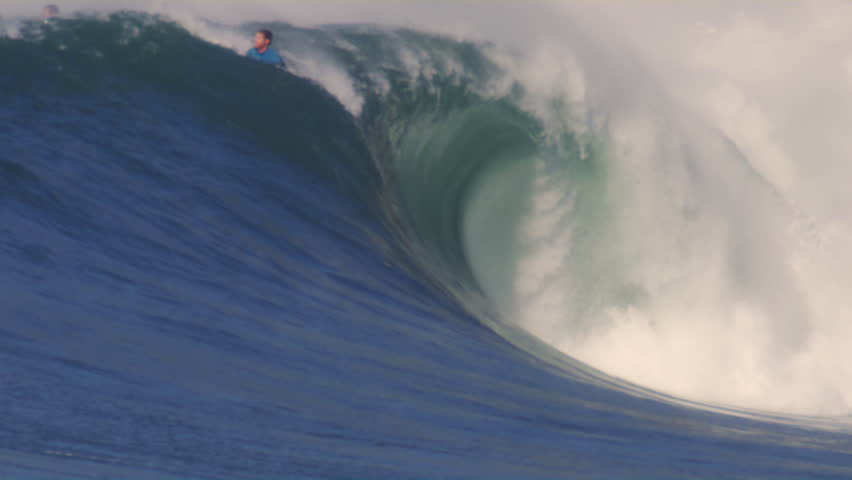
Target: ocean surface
[213, 268]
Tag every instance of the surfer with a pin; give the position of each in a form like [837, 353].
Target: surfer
[262, 51]
[49, 12]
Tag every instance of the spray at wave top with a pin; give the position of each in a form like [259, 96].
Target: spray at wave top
[702, 253]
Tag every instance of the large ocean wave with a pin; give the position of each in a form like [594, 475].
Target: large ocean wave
[407, 255]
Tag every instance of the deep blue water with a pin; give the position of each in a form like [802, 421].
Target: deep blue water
[207, 272]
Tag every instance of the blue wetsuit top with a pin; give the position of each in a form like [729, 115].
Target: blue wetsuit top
[269, 56]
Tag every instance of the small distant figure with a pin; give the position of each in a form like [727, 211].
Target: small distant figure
[262, 51]
[49, 12]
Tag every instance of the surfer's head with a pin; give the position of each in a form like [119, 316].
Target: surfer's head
[262, 39]
[50, 11]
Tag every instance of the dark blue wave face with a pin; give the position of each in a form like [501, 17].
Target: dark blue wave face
[197, 280]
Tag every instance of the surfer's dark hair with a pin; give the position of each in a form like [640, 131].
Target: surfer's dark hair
[266, 34]
[52, 9]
